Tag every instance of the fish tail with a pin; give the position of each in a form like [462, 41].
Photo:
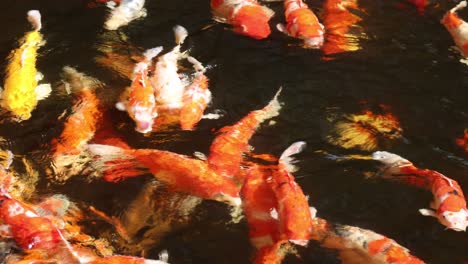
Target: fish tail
[34, 17]
[115, 163]
[272, 109]
[286, 158]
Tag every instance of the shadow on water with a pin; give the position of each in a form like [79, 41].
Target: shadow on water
[405, 62]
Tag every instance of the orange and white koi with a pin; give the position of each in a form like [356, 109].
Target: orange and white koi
[449, 205]
[196, 98]
[302, 23]
[248, 17]
[227, 148]
[21, 90]
[124, 13]
[293, 209]
[358, 245]
[457, 27]
[139, 100]
[80, 126]
[167, 84]
[339, 20]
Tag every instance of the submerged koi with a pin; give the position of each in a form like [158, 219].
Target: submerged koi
[358, 245]
[457, 27]
[302, 23]
[227, 148]
[449, 205]
[419, 4]
[124, 13]
[338, 20]
[463, 141]
[139, 100]
[80, 126]
[248, 17]
[21, 91]
[167, 84]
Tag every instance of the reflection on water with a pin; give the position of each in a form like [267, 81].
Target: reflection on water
[404, 62]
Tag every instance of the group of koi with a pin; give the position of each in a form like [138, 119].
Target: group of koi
[276, 209]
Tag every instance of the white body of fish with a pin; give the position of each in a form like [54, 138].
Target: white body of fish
[127, 11]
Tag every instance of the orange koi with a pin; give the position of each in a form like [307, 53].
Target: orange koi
[182, 173]
[196, 98]
[80, 126]
[259, 204]
[302, 23]
[139, 100]
[227, 148]
[463, 141]
[126, 260]
[248, 17]
[358, 245]
[457, 27]
[338, 20]
[449, 205]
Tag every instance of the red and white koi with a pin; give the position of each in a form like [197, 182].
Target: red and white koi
[21, 90]
[124, 13]
[139, 100]
[457, 27]
[167, 84]
[302, 23]
[449, 205]
[248, 17]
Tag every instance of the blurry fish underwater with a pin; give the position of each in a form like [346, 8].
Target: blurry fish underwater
[21, 90]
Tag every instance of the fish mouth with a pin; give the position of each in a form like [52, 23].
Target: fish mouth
[143, 127]
[314, 42]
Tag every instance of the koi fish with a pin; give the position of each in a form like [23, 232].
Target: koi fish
[21, 91]
[180, 172]
[463, 141]
[124, 13]
[419, 4]
[457, 27]
[302, 23]
[248, 17]
[227, 148]
[167, 84]
[293, 209]
[140, 102]
[196, 98]
[339, 21]
[449, 205]
[80, 126]
[358, 245]
[367, 131]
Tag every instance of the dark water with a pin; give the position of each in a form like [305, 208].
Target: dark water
[405, 62]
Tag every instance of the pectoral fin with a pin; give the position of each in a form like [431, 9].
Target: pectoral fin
[282, 28]
[427, 212]
[121, 106]
[43, 91]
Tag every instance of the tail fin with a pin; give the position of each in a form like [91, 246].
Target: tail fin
[273, 107]
[286, 158]
[460, 5]
[34, 17]
[180, 34]
[77, 80]
[115, 163]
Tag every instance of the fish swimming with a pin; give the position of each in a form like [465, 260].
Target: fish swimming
[457, 28]
[139, 100]
[124, 13]
[449, 205]
[248, 17]
[166, 81]
[21, 90]
[339, 22]
[302, 23]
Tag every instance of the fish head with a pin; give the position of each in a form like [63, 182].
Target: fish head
[388, 158]
[457, 221]
[144, 118]
[314, 42]
[252, 21]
